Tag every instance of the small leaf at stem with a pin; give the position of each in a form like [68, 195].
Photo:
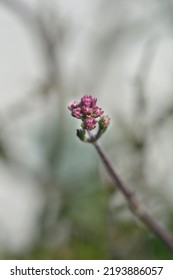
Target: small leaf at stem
[81, 134]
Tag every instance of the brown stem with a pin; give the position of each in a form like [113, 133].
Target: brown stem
[134, 203]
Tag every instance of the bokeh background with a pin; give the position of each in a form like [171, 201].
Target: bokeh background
[56, 200]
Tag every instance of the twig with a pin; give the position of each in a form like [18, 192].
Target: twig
[88, 112]
[134, 203]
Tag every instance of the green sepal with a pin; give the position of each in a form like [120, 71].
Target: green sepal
[81, 134]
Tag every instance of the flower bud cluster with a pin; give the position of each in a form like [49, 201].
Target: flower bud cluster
[87, 111]
[91, 115]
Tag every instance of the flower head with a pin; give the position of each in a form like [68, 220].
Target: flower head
[86, 110]
[88, 101]
[76, 112]
[97, 112]
[89, 123]
[90, 114]
[104, 122]
[74, 105]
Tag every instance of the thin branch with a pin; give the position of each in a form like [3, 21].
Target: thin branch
[134, 203]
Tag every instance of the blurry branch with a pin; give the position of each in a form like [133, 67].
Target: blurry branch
[164, 117]
[23, 106]
[141, 130]
[22, 10]
[142, 75]
[32, 21]
[27, 15]
[133, 202]
[135, 131]
[9, 158]
[49, 34]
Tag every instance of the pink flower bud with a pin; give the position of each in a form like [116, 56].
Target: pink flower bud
[97, 112]
[75, 104]
[88, 101]
[104, 121]
[89, 123]
[76, 113]
[86, 110]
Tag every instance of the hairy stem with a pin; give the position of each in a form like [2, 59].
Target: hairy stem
[134, 203]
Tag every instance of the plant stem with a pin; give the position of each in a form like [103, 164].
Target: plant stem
[134, 203]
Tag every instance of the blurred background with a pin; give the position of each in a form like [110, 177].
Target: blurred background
[56, 200]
